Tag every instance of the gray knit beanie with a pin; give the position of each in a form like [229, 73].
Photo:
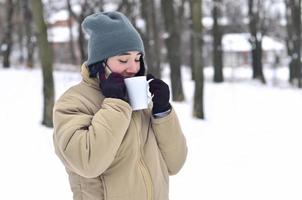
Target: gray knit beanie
[110, 34]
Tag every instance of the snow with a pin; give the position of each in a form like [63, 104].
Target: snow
[249, 146]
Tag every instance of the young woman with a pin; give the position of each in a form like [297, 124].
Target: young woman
[109, 151]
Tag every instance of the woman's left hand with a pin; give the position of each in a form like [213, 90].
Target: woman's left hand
[161, 94]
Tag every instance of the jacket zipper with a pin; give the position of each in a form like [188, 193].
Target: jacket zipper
[147, 179]
[145, 172]
[104, 187]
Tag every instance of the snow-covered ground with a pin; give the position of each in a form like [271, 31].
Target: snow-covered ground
[248, 148]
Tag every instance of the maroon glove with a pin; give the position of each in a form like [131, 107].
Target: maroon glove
[114, 86]
[161, 94]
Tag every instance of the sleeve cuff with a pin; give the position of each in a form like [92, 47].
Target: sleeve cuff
[162, 114]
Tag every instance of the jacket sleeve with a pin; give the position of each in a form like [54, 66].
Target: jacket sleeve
[171, 141]
[87, 144]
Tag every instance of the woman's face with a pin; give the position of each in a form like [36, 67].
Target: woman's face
[126, 64]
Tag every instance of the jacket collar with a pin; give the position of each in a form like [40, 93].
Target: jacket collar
[93, 82]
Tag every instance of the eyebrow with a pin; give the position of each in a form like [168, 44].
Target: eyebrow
[127, 53]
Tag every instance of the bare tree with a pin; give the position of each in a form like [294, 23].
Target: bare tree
[198, 110]
[2, 24]
[234, 13]
[87, 8]
[73, 57]
[296, 59]
[173, 48]
[7, 41]
[128, 8]
[293, 15]
[180, 6]
[79, 19]
[256, 31]
[45, 53]
[28, 26]
[191, 39]
[19, 30]
[148, 35]
[217, 42]
[156, 37]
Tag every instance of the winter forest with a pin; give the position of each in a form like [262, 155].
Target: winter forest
[235, 76]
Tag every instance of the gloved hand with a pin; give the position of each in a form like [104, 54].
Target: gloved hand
[113, 86]
[161, 94]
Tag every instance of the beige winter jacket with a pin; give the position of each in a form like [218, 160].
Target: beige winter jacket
[112, 153]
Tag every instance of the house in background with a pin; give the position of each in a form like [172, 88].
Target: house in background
[237, 49]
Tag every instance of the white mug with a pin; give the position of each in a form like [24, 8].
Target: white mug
[137, 88]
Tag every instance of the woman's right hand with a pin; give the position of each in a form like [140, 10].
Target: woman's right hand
[113, 86]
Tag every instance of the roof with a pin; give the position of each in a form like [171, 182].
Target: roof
[238, 42]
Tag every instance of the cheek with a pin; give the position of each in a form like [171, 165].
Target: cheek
[116, 67]
[132, 68]
[138, 66]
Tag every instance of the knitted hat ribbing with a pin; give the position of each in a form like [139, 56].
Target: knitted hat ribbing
[110, 34]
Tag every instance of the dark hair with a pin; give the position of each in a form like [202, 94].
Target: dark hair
[95, 68]
[141, 71]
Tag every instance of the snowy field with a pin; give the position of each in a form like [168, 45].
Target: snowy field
[248, 148]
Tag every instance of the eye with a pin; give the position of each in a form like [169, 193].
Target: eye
[137, 60]
[123, 61]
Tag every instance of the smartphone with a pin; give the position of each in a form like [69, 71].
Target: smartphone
[107, 71]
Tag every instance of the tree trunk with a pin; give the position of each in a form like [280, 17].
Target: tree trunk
[19, 24]
[101, 5]
[128, 8]
[81, 42]
[198, 110]
[80, 18]
[8, 33]
[71, 40]
[259, 67]
[256, 41]
[173, 48]
[73, 57]
[181, 27]
[156, 38]
[296, 54]
[45, 53]
[191, 40]
[289, 32]
[30, 46]
[289, 38]
[148, 38]
[217, 46]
